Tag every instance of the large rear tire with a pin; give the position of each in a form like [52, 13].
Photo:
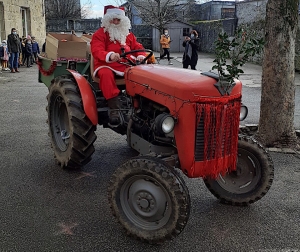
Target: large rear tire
[149, 199]
[252, 178]
[72, 133]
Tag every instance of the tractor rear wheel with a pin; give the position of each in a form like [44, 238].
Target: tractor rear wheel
[72, 133]
[149, 199]
[251, 180]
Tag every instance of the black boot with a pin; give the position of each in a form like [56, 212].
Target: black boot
[114, 114]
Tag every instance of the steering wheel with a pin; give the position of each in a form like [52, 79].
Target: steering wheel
[123, 55]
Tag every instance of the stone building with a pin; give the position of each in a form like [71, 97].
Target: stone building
[214, 10]
[27, 16]
[251, 14]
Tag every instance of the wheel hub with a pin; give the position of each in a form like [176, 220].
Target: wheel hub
[145, 202]
[147, 199]
[61, 127]
[245, 177]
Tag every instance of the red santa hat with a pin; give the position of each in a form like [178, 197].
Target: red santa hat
[115, 11]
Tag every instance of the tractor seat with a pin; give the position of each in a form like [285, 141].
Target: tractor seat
[120, 80]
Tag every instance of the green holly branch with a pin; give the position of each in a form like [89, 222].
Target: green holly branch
[238, 49]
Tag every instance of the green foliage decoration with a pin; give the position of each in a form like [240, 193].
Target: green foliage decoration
[238, 50]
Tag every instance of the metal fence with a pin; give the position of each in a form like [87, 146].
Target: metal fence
[209, 30]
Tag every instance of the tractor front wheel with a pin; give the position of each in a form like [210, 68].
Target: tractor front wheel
[250, 181]
[149, 199]
[72, 133]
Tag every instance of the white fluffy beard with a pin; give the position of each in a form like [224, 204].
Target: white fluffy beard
[116, 32]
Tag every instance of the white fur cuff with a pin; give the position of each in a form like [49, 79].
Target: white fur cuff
[107, 58]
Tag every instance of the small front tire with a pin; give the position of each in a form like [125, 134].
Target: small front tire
[149, 199]
[251, 180]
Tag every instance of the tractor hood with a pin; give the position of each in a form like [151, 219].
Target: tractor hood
[181, 83]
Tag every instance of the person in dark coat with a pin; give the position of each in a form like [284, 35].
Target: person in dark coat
[14, 49]
[23, 46]
[44, 47]
[28, 52]
[190, 55]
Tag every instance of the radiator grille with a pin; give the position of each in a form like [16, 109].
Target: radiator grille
[215, 130]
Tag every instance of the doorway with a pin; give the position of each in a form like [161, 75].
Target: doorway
[2, 23]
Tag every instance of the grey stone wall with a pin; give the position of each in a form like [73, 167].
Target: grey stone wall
[297, 51]
[212, 10]
[249, 12]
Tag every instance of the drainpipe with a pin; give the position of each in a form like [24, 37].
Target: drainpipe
[235, 17]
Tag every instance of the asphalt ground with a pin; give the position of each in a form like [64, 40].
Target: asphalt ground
[46, 208]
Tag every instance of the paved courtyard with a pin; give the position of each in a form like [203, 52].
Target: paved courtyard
[46, 208]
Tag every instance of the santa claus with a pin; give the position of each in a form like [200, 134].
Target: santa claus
[106, 46]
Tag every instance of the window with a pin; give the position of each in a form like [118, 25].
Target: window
[227, 12]
[186, 31]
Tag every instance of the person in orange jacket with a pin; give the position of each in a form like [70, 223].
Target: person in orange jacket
[165, 41]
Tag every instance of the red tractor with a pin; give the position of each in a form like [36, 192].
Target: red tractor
[180, 121]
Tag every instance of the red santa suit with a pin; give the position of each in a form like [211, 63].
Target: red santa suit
[102, 46]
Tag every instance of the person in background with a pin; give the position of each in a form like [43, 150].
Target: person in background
[14, 49]
[28, 53]
[23, 46]
[44, 47]
[190, 55]
[31, 57]
[4, 56]
[165, 41]
[35, 50]
[21, 54]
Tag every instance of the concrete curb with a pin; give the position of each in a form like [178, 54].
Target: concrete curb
[250, 129]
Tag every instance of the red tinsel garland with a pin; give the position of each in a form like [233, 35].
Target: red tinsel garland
[221, 126]
[50, 70]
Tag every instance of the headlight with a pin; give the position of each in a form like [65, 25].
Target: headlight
[164, 123]
[243, 112]
[168, 124]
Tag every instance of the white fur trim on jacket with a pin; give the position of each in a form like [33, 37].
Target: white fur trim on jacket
[116, 71]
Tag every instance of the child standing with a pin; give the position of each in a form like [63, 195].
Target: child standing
[4, 55]
[35, 49]
[28, 52]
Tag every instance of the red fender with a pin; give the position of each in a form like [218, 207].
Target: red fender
[88, 97]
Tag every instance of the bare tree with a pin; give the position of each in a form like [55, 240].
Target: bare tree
[66, 9]
[276, 123]
[159, 13]
[118, 2]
